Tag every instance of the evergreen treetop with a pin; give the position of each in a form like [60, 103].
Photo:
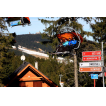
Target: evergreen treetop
[55, 26]
[6, 41]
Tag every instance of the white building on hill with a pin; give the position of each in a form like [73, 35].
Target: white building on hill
[38, 32]
[14, 47]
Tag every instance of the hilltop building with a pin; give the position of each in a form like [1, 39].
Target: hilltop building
[38, 32]
[14, 47]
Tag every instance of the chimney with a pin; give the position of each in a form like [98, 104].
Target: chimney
[36, 65]
[62, 84]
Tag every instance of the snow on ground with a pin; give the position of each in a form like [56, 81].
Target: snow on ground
[60, 59]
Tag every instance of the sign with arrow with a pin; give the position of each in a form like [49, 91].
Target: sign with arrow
[94, 58]
[91, 53]
[92, 64]
[90, 69]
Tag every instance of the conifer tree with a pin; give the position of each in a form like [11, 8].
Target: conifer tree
[99, 29]
[6, 41]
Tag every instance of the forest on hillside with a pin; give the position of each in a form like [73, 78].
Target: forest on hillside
[32, 41]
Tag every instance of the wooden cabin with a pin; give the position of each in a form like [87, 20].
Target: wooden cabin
[28, 76]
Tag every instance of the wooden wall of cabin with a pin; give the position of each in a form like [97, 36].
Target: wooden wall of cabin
[29, 84]
[28, 79]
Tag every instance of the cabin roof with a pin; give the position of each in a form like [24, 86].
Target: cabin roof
[24, 65]
[20, 68]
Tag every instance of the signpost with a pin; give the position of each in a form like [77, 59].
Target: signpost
[91, 69]
[103, 64]
[96, 66]
[90, 64]
[91, 53]
[94, 76]
[94, 58]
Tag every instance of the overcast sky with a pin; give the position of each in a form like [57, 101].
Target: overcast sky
[37, 26]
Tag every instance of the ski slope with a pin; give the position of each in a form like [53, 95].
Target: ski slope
[41, 55]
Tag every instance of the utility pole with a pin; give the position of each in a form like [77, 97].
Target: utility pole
[103, 65]
[75, 61]
[75, 69]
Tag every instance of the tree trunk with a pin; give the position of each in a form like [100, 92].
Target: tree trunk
[75, 69]
[75, 63]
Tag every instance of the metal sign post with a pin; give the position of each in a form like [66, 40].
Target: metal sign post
[94, 76]
[103, 65]
[96, 66]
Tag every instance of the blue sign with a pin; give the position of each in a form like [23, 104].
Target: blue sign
[94, 76]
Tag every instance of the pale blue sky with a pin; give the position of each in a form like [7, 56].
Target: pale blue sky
[37, 26]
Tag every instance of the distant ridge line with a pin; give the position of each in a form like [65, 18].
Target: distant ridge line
[31, 41]
[29, 34]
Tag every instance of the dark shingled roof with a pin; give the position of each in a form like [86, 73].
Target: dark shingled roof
[19, 69]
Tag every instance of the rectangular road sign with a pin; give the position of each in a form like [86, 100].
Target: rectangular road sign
[90, 69]
[90, 64]
[91, 53]
[94, 76]
[94, 58]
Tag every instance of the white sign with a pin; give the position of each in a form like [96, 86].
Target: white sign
[100, 75]
[88, 64]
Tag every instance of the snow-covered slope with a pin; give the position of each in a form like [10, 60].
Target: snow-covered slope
[41, 55]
